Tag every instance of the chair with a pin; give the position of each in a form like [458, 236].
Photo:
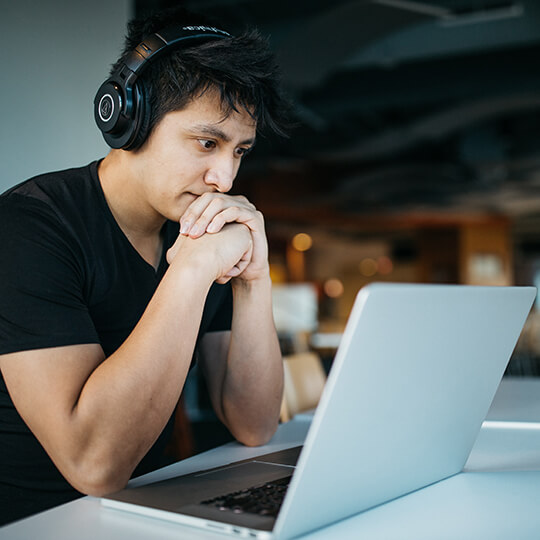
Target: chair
[304, 379]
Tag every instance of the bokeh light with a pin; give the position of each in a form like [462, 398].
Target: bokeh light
[302, 241]
[385, 265]
[368, 267]
[333, 288]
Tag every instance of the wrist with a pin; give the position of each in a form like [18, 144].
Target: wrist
[195, 270]
[259, 285]
[194, 255]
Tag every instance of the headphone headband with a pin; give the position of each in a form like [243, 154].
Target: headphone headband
[154, 45]
[120, 110]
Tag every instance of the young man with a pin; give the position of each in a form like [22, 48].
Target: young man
[113, 275]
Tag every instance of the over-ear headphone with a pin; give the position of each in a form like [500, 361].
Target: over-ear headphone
[121, 109]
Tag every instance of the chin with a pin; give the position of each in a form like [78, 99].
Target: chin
[174, 216]
[176, 213]
[180, 204]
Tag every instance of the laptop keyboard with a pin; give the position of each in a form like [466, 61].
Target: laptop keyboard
[264, 500]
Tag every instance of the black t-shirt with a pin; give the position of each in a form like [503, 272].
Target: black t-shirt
[69, 275]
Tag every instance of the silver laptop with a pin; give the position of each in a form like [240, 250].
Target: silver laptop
[411, 383]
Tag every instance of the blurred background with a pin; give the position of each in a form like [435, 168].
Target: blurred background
[415, 156]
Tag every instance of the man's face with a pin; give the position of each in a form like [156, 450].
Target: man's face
[191, 152]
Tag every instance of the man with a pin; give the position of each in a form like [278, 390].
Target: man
[114, 274]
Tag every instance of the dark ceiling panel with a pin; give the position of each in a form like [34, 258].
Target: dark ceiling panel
[395, 105]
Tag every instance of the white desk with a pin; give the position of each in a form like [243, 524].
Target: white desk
[497, 497]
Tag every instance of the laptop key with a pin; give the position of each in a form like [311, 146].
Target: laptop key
[264, 500]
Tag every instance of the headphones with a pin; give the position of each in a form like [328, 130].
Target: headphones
[121, 108]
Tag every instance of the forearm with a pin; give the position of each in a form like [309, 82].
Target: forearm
[253, 382]
[115, 424]
[97, 417]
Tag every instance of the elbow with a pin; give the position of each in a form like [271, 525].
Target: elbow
[97, 479]
[100, 487]
[253, 428]
[256, 437]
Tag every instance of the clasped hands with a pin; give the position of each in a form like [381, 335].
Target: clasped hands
[228, 228]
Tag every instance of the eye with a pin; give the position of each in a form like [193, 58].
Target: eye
[207, 144]
[242, 152]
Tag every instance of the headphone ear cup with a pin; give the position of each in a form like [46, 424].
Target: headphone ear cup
[120, 114]
[108, 105]
[141, 121]
[113, 112]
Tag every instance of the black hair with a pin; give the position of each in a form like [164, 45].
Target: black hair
[241, 68]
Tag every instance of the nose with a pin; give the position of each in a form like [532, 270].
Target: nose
[221, 174]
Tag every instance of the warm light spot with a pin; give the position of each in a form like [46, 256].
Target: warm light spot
[302, 241]
[333, 287]
[278, 273]
[385, 265]
[368, 267]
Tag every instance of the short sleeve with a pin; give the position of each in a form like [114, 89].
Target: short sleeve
[41, 280]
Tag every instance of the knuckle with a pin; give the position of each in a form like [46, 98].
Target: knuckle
[186, 216]
[259, 217]
[216, 204]
[231, 211]
[218, 221]
[244, 201]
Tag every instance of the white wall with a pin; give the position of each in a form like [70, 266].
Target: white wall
[53, 57]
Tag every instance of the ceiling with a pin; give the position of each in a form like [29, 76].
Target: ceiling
[404, 109]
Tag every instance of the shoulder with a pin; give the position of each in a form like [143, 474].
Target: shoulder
[42, 186]
[55, 190]
[47, 213]
[63, 198]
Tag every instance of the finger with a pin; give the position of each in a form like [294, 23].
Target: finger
[239, 267]
[192, 214]
[245, 261]
[242, 264]
[171, 252]
[229, 215]
[215, 207]
[222, 211]
[233, 272]
[196, 209]
[247, 217]
[237, 270]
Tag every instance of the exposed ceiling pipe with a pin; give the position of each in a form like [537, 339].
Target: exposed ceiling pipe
[416, 7]
[484, 15]
[449, 17]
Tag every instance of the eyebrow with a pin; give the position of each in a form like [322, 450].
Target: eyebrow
[214, 131]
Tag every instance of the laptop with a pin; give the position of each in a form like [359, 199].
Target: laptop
[409, 388]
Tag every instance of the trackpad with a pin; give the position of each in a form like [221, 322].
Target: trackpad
[243, 475]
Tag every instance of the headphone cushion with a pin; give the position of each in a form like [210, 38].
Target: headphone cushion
[141, 122]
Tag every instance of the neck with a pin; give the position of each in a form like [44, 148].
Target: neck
[140, 224]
